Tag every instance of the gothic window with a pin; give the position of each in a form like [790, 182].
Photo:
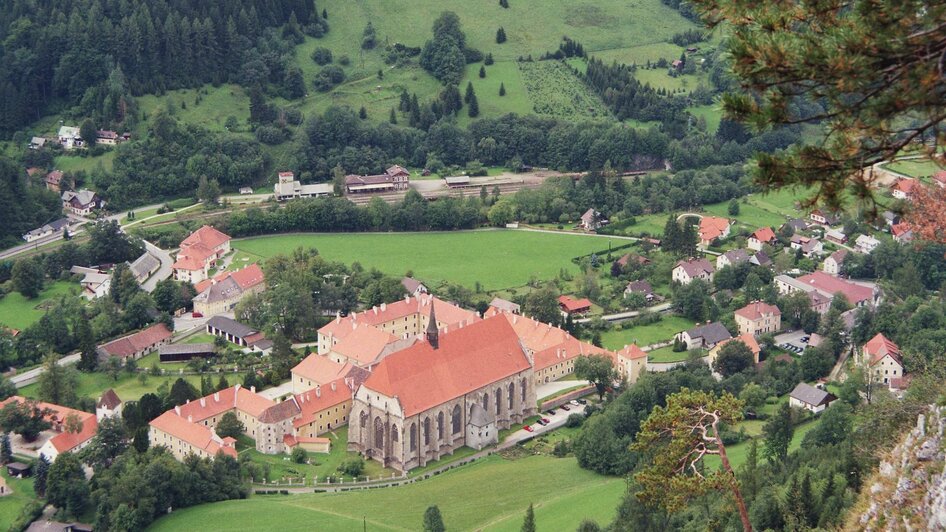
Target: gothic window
[456, 419]
[511, 395]
[394, 435]
[440, 426]
[499, 400]
[378, 433]
[426, 431]
[413, 436]
[486, 401]
[522, 390]
[364, 419]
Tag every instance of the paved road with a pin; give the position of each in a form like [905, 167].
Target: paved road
[163, 272]
[663, 307]
[552, 388]
[29, 377]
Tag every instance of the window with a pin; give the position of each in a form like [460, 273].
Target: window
[440, 426]
[455, 418]
[394, 434]
[499, 400]
[511, 394]
[486, 401]
[363, 421]
[522, 390]
[378, 433]
[413, 436]
[426, 431]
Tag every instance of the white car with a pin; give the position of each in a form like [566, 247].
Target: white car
[574, 402]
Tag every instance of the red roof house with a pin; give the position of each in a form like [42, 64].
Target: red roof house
[138, 344]
[574, 306]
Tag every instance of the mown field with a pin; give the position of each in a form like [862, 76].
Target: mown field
[127, 386]
[18, 312]
[495, 259]
[12, 504]
[645, 335]
[555, 90]
[490, 494]
[920, 168]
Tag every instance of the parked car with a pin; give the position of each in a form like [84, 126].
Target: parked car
[546, 420]
[574, 402]
[527, 428]
[542, 422]
[550, 412]
[197, 315]
[582, 402]
[565, 408]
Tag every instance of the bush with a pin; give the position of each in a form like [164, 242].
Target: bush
[299, 455]
[574, 420]
[561, 447]
[328, 77]
[28, 514]
[344, 60]
[322, 56]
[352, 467]
[270, 135]
[292, 116]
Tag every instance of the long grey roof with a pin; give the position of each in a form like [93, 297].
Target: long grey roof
[144, 265]
[230, 326]
[807, 393]
[185, 349]
[220, 291]
[711, 333]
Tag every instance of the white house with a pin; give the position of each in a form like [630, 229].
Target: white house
[69, 137]
[49, 229]
[687, 270]
[866, 243]
[810, 398]
[883, 359]
[81, 203]
[95, 283]
[834, 262]
[287, 187]
[760, 237]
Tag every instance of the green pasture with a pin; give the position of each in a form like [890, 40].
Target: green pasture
[494, 258]
[645, 335]
[17, 312]
[490, 494]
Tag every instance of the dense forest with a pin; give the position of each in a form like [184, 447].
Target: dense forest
[22, 207]
[100, 53]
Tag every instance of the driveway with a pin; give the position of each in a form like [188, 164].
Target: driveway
[164, 271]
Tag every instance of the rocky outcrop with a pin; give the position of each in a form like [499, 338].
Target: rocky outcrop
[908, 492]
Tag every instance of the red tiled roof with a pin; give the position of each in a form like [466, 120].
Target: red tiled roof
[632, 352]
[320, 369]
[712, 227]
[109, 400]
[54, 177]
[206, 236]
[133, 343]
[854, 293]
[467, 359]
[757, 310]
[449, 316]
[246, 278]
[904, 185]
[194, 434]
[764, 234]
[879, 346]
[747, 339]
[549, 345]
[900, 229]
[940, 177]
[217, 403]
[64, 441]
[312, 402]
[639, 259]
[365, 345]
[574, 305]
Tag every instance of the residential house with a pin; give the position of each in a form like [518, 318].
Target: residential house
[394, 178]
[56, 439]
[591, 220]
[704, 336]
[827, 286]
[903, 188]
[733, 257]
[641, 287]
[758, 318]
[199, 253]
[51, 228]
[890, 218]
[37, 143]
[222, 293]
[69, 137]
[630, 362]
[413, 286]
[902, 232]
[108, 405]
[685, 271]
[237, 333]
[144, 266]
[809, 246]
[95, 283]
[883, 359]
[570, 307]
[632, 258]
[810, 398]
[797, 225]
[81, 203]
[824, 217]
[502, 305]
[747, 339]
[835, 235]
[185, 352]
[834, 262]
[53, 180]
[711, 229]
[865, 244]
[109, 138]
[760, 259]
[136, 345]
[760, 237]
[320, 370]
[287, 187]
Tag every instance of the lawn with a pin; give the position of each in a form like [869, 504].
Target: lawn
[712, 114]
[645, 335]
[750, 214]
[667, 354]
[490, 494]
[737, 453]
[914, 167]
[76, 163]
[658, 78]
[11, 505]
[497, 259]
[18, 312]
[127, 386]
[215, 106]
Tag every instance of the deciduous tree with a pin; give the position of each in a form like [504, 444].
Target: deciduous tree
[598, 370]
[433, 522]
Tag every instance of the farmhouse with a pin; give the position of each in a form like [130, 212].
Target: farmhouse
[199, 253]
[81, 203]
[761, 237]
[686, 271]
[796, 224]
[747, 339]
[883, 359]
[405, 317]
[144, 266]
[394, 178]
[449, 391]
[836, 236]
[823, 217]
[629, 258]
[110, 138]
[95, 283]
[733, 257]
[834, 262]
[641, 287]
[136, 345]
[704, 336]
[222, 293]
[571, 306]
[287, 187]
[810, 398]
[712, 228]
[866, 244]
[237, 333]
[903, 188]
[631, 362]
[591, 220]
[51, 228]
[809, 246]
[758, 318]
[185, 352]
[413, 286]
[53, 180]
[58, 439]
[37, 143]
[69, 137]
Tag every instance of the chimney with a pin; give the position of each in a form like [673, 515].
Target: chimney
[217, 397]
[203, 402]
[253, 389]
[333, 386]
[177, 410]
[190, 419]
[318, 391]
[375, 310]
[383, 306]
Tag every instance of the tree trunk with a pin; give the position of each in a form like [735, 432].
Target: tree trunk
[740, 502]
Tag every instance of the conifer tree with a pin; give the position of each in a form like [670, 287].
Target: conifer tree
[392, 118]
[528, 524]
[39, 476]
[502, 89]
[469, 92]
[489, 59]
[500, 35]
[6, 453]
[433, 521]
[473, 106]
[363, 113]
[482, 71]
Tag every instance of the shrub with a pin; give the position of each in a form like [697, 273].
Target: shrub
[328, 77]
[270, 135]
[561, 448]
[322, 56]
[352, 467]
[344, 60]
[574, 420]
[299, 455]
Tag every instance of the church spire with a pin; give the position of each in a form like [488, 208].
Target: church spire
[433, 333]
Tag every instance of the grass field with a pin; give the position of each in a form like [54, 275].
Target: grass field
[659, 79]
[640, 54]
[490, 494]
[18, 312]
[507, 73]
[216, 105]
[711, 113]
[127, 386]
[90, 165]
[555, 90]
[667, 354]
[496, 259]
[737, 453]
[914, 167]
[11, 505]
[750, 214]
[644, 335]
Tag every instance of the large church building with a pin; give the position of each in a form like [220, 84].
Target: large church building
[444, 392]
